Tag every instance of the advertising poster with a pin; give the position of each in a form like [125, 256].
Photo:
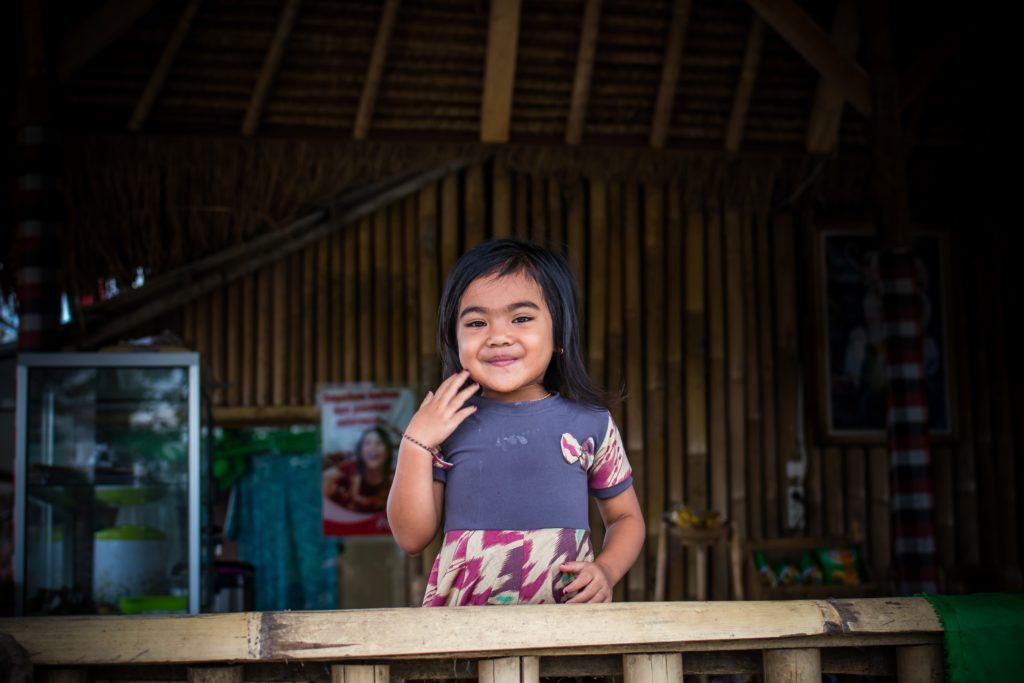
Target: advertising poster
[360, 425]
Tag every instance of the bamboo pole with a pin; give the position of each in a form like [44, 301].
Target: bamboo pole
[596, 284]
[652, 668]
[920, 664]
[856, 492]
[814, 506]
[264, 344]
[381, 297]
[324, 318]
[410, 226]
[766, 362]
[745, 85]
[634, 434]
[475, 206]
[366, 300]
[834, 491]
[654, 352]
[735, 344]
[754, 423]
[271, 63]
[309, 321]
[215, 350]
[351, 309]
[670, 73]
[280, 333]
[675, 404]
[538, 210]
[399, 324]
[556, 222]
[296, 339]
[521, 207]
[589, 28]
[500, 71]
[360, 673]
[783, 246]
[428, 247]
[233, 350]
[801, 665]
[215, 674]
[509, 670]
[827, 112]
[577, 243]
[250, 315]
[501, 217]
[375, 69]
[449, 222]
[718, 453]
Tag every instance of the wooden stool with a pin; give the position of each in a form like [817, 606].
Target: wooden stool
[699, 540]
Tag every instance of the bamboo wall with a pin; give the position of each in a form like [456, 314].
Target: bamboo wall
[695, 309]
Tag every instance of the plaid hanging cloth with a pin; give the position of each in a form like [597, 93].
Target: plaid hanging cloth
[912, 501]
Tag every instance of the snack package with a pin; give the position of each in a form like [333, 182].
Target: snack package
[787, 574]
[764, 571]
[810, 572]
[839, 565]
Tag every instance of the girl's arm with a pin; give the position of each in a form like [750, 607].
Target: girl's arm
[623, 540]
[415, 501]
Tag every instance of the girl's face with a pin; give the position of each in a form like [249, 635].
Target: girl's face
[373, 450]
[505, 336]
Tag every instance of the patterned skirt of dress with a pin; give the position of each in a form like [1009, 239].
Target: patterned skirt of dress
[488, 567]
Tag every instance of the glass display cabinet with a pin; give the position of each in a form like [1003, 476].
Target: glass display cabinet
[107, 498]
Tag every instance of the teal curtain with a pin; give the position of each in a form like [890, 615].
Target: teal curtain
[275, 518]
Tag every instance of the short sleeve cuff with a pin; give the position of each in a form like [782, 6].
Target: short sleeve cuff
[611, 491]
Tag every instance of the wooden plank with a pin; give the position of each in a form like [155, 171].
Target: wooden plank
[296, 338]
[381, 297]
[336, 312]
[382, 633]
[271, 63]
[676, 414]
[670, 73]
[634, 432]
[375, 69]
[653, 329]
[879, 538]
[475, 206]
[100, 28]
[280, 334]
[399, 323]
[350, 307]
[735, 345]
[233, 343]
[754, 339]
[856, 492]
[410, 218]
[538, 210]
[365, 301]
[509, 670]
[745, 86]
[827, 112]
[597, 293]
[652, 668]
[718, 453]
[589, 28]
[429, 294]
[813, 44]
[308, 312]
[267, 332]
[556, 221]
[360, 673]
[766, 360]
[324, 319]
[450, 215]
[163, 67]
[500, 71]
[501, 218]
[250, 317]
[787, 398]
[793, 666]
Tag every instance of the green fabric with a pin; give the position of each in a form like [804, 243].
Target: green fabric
[984, 635]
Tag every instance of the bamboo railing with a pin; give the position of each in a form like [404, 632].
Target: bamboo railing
[642, 642]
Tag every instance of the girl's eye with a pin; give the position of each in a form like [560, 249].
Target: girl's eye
[522, 319]
[475, 323]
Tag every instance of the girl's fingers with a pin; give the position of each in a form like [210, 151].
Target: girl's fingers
[451, 385]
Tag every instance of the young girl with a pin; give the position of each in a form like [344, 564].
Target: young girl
[511, 442]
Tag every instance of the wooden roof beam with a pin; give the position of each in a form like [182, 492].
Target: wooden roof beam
[500, 72]
[745, 86]
[811, 42]
[270, 66]
[670, 72]
[379, 56]
[584, 72]
[96, 31]
[827, 114]
[163, 67]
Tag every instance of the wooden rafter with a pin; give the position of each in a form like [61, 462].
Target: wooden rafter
[169, 291]
[379, 56]
[745, 86]
[670, 72]
[500, 72]
[811, 42]
[827, 113]
[163, 67]
[584, 72]
[270, 66]
[96, 31]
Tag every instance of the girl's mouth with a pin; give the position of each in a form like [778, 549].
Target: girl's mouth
[502, 361]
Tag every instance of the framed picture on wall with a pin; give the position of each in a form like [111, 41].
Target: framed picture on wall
[850, 333]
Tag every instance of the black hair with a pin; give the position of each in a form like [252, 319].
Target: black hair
[383, 434]
[566, 373]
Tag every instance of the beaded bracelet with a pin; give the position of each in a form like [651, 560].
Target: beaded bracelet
[434, 451]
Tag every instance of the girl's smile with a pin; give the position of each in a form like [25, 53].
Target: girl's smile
[505, 336]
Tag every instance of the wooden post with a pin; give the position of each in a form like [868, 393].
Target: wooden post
[360, 673]
[509, 670]
[920, 664]
[652, 668]
[212, 674]
[500, 71]
[792, 666]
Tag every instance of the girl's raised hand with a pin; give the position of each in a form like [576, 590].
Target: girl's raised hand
[442, 411]
[591, 583]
